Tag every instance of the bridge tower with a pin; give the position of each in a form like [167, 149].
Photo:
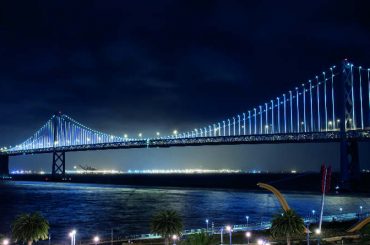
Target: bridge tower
[59, 163]
[4, 166]
[349, 155]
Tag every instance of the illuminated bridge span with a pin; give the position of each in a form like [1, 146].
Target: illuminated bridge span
[333, 106]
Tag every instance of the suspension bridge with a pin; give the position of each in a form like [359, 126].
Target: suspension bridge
[333, 106]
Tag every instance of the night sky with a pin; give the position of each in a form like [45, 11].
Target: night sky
[147, 66]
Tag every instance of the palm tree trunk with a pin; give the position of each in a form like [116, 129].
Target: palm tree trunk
[29, 243]
[288, 240]
[166, 241]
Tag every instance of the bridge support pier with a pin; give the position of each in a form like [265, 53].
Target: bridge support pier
[59, 163]
[4, 166]
[349, 164]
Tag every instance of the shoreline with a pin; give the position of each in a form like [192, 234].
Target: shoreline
[308, 183]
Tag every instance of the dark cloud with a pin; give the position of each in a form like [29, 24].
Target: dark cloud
[159, 65]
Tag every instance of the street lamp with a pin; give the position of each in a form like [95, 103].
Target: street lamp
[96, 240]
[230, 230]
[72, 235]
[247, 217]
[6, 241]
[248, 234]
[207, 224]
[313, 213]
[222, 235]
[260, 242]
[360, 209]
[174, 238]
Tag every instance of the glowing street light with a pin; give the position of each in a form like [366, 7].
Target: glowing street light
[174, 238]
[5, 241]
[260, 242]
[158, 134]
[317, 231]
[248, 234]
[96, 240]
[361, 209]
[140, 135]
[175, 132]
[72, 235]
[247, 217]
[207, 224]
[230, 230]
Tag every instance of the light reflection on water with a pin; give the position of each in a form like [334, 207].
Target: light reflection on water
[95, 209]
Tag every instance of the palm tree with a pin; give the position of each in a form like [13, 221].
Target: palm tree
[167, 223]
[30, 228]
[287, 224]
[200, 239]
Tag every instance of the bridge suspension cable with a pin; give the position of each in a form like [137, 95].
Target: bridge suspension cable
[312, 108]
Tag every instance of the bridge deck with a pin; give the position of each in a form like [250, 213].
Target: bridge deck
[330, 136]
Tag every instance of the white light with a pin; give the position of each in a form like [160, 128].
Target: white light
[72, 233]
[174, 237]
[158, 134]
[125, 136]
[140, 135]
[318, 231]
[267, 243]
[96, 239]
[206, 220]
[260, 242]
[341, 209]
[248, 234]
[5, 241]
[175, 132]
[228, 228]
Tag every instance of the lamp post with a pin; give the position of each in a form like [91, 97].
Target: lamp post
[313, 215]
[96, 240]
[318, 233]
[207, 224]
[247, 217]
[174, 238]
[72, 235]
[230, 230]
[308, 233]
[248, 234]
[222, 236]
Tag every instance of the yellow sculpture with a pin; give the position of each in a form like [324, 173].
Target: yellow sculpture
[358, 226]
[278, 195]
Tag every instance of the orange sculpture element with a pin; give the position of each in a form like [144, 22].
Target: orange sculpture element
[278, 195]
[358, 226]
